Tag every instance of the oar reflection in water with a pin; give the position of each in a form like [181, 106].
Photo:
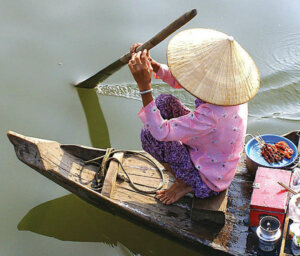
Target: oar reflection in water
[97, 126]
[70, 219]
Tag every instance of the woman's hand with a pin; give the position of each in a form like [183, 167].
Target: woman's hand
[155, 65]
[141, 70]
[133, 48]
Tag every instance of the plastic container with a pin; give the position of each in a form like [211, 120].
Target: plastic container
[295, 183]
[294, 227]
[294, 208]
[296, 243]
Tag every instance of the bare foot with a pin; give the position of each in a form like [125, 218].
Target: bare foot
[174, 193]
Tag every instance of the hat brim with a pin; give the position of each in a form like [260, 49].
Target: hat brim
[212, 66]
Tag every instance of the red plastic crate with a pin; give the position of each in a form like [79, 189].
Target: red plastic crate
[268, 197]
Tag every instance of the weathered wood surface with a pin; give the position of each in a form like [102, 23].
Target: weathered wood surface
[285, 249]
[57, 162]
[111, 176]
[211, 209]
[284, 238]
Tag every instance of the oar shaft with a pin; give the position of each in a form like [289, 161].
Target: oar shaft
[155, 40]
[163, 34]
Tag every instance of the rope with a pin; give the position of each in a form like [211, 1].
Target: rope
[106, 159]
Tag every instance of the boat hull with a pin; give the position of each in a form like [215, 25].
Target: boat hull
[64, 164]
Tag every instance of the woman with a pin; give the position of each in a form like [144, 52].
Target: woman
[202, 147]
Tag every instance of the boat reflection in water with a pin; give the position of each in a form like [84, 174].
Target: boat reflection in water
[71, 219]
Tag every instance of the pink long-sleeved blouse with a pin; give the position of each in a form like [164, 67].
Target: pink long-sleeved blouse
[213, 134]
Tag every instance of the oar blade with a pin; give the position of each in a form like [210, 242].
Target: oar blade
[101, 75]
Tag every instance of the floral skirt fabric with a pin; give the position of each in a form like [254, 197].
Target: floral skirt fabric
[175, 153]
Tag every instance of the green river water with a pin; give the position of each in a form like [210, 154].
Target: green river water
[47, 45]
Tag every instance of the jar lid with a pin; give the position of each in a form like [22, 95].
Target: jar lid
[269, 229]
[268, 238]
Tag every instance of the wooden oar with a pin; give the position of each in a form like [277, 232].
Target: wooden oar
[115, 66]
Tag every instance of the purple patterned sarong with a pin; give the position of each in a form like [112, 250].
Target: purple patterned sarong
[175, 153]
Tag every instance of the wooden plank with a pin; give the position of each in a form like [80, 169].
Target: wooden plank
[59, 161]
[111, 175]
[146, 177]
[287, 219]
[284, 234]
[174, 216]
[147, 174]
[143, 165]
[141, 182]
[211, 209]
[82, 152]
[149, 206]
[142, 173]
[126, 185]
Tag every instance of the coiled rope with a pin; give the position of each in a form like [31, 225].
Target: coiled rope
[101, 173]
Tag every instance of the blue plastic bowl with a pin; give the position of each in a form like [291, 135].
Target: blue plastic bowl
[253, 151]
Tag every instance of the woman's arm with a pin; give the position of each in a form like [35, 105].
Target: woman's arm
[141, 70]
[197, 123]
[200, 122]
[165, 74]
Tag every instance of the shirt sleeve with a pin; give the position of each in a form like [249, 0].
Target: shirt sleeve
[197, 123]
[165, 74]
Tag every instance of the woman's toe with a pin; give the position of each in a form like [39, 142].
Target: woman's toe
[163, 198]
[169, 201]
[159, 196]
[160, 192]
[165, 201]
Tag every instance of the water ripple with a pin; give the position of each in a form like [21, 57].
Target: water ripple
[279, 96]
[287, 53]
[282, 102]
[131, 91]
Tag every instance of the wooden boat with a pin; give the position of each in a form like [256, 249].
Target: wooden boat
[64, 164]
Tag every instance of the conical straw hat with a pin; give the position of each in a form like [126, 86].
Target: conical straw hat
[212, 66]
